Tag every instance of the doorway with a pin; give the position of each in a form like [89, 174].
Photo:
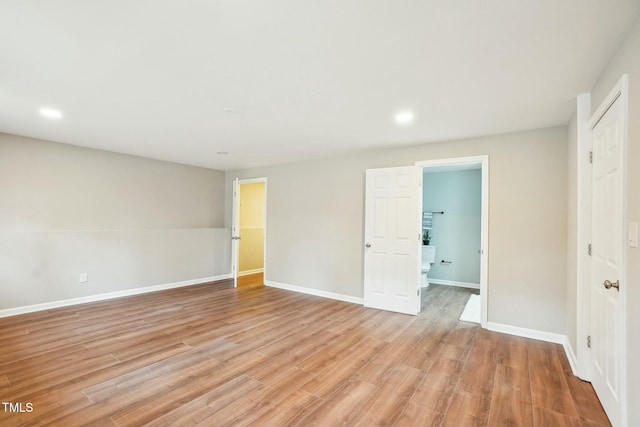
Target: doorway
[393, 233]
[249, 232]
[454, 225]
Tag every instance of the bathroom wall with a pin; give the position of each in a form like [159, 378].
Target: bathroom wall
[456, 233]
[251, 250]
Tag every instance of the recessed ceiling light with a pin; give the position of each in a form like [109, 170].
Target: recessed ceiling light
[51, 113]
[404, 117]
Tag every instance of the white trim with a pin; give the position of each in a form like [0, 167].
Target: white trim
[452, 161]
[484, 245]
[583, 235]
[483, 160]
[315, 292]
[454, 283]
[111, 295]
[527, 333]
[265, 194]
[571, 356]
[235, 231]
[235, 219]
[252, 180]
[248, 272]
[620, 89]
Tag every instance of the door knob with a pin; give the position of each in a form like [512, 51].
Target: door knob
[368, 245]
[608, 284]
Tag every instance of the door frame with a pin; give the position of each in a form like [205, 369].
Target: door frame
[235, 226]
[619, 92]
[583, 235]
[483, 161]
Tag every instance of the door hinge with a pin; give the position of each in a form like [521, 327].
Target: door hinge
[590, 156]
[418, 292]
[589, 249]
[589, 341]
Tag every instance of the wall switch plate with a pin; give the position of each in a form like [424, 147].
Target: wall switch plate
[84, 277]
[632, 234]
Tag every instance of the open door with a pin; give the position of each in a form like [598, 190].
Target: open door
[248, 232]
[392, 239]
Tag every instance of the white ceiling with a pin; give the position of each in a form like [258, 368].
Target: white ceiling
[306, 78]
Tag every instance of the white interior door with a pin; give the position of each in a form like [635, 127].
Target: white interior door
[235, 231]
[607, 264]
[392, 239]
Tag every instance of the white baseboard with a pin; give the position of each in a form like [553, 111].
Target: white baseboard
[454, 283]
[111, 295]
[527, 333]
[571, 355]
[315, 292]
[248, 272]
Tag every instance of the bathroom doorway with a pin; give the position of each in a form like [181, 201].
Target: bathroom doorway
[455, 233]
[249, 232]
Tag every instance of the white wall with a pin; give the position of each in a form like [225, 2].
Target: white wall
[456, 234]
[315, 221]
[126, 221]
[627, 61]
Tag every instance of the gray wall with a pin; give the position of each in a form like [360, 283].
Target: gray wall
[456, 234]
[51, 186]
[627, 61]
[128, 222]
[315, 221]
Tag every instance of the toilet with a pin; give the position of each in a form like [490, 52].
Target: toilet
[428, 258]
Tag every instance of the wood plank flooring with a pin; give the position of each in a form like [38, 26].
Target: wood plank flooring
[211, 355]
[251, 280]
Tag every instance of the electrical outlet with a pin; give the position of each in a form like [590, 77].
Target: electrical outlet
[84, 277]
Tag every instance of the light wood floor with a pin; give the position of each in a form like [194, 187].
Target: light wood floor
[251, 280]
[212, 355]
